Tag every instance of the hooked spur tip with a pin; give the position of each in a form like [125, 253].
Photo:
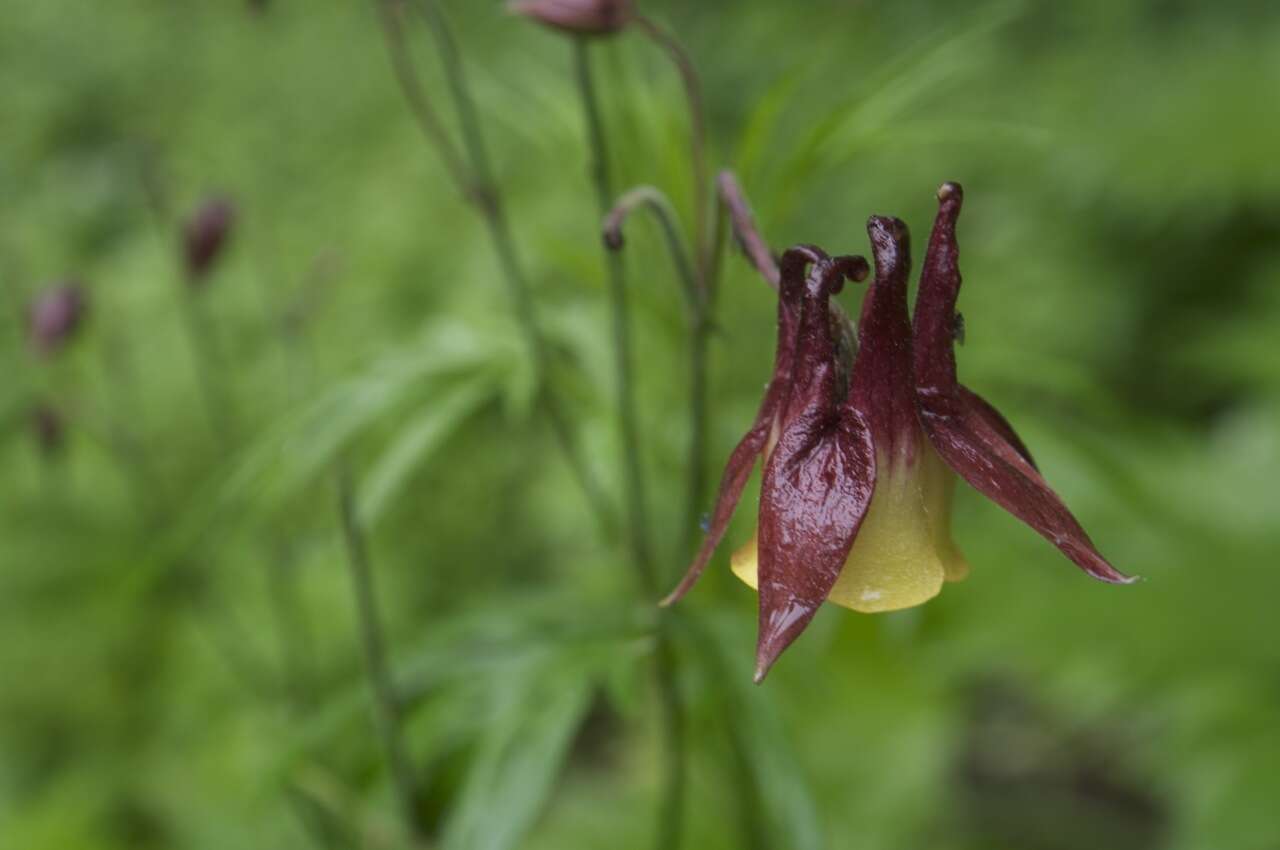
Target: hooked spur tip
[854, 267]
[950, 191]
[889, 226]
[890, 239]
[613, 238]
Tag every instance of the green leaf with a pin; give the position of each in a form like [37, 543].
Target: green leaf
[760, 740]
[518, 762]
[417, 443]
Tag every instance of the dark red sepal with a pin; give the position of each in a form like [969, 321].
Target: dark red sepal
[881, 386]
[742, 460]
[818, 479]
[983, 409]
[983, 457]
[970, 435]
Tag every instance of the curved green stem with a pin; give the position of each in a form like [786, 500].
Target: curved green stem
[628, 419]
[671, 807]
[704, 262]
[385, 699]
[733, 202]
[652, 199]
[473, 177]
[699, 303]
[697, 135]
[419, 104]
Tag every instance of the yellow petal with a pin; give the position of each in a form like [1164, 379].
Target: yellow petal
[904, 550]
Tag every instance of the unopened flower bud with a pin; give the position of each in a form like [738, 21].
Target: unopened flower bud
[206, 236]
[579, 17]
[55, 316]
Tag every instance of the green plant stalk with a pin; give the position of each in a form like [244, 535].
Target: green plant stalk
[473, 178]
[704, 264]
[755, 826]
[628, 419]
[697, 138]
[387, 712]
[698, 303]
[199, 335]
[671, 805]
[205, 361]
[675, 779]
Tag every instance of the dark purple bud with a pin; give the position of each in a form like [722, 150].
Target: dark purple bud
[55, 316]
[206, 235]
[49, 430]
[578, 17]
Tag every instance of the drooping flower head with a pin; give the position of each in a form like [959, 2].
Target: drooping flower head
[855, 500]
[578, 17]
[55, 316]
[205, 236]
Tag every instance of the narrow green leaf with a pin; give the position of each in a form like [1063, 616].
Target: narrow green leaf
[519, 761]
[417, 443]
[761, 740]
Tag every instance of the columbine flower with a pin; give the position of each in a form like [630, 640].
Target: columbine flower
[579, 17]
[205, 236]
[855, 502]
[55, 316]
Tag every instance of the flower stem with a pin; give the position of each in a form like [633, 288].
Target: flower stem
[697, 134]
[704, 248]
[415, 97]
[656, 202]
[206, 363]
[697, 297]
[671, 807]
[733, 202]
[635, 497]
[473, 176]
[386, 702]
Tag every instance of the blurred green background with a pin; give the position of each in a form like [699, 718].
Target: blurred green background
[180, 663]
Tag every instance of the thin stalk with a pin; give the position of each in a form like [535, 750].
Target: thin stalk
[473, 178]
[628, 427]
[205, 364]
[419, 104]
[697, 298]
[652, 199]
[199, 333]
[290, 622]
[697, 134]
[386, 702]
[704, 249]
[733, 203]
[671, 805]
[754, 825]
[699, 409]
